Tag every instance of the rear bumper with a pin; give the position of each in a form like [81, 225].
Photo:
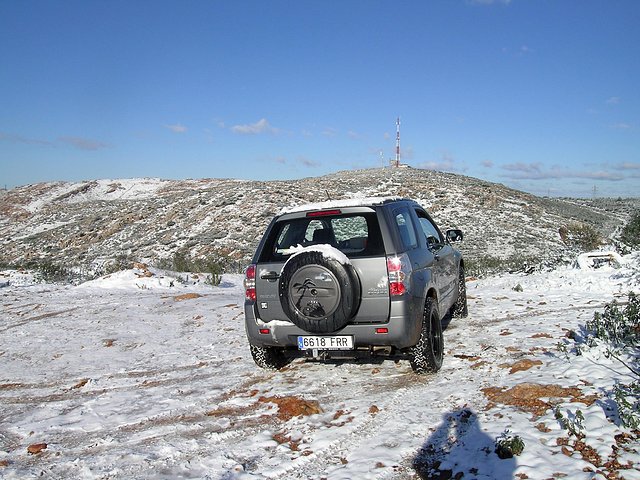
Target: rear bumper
[403, 330]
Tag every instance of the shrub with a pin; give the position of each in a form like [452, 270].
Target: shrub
[631, 232]
[508, 445]
[581, 236]
[620, 328]
[482, 266]
[50, 272]
[573, 423]
[117, 264]
[184, 263]
[627, 398]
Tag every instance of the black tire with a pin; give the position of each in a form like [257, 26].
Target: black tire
[460, 309]
[426, 356]
[269, 358]
[318, 293]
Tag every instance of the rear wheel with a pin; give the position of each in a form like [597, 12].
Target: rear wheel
[426, 356]
[269, 358]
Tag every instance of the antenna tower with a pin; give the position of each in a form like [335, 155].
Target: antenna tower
[398, 142]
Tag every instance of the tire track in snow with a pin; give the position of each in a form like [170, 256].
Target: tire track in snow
[331, 455]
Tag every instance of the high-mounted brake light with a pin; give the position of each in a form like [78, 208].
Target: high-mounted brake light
[324, 213]
[396, 268]
[250, 283]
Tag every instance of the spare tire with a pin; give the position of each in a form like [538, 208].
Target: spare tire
[318, 293]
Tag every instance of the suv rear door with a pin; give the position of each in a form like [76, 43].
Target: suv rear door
[354, 231]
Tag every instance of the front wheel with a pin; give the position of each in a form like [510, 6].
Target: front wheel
[460, 309]
[269, 358]
[426, 356]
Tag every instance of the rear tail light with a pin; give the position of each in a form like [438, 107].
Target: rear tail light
[398, 270]
[250, 283]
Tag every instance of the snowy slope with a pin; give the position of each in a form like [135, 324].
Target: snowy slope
[143, 375]
[73, 224]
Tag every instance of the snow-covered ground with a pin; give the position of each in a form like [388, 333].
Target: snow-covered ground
[143, 375]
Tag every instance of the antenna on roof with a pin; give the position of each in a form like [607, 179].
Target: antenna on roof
[328, 196]
[398, 142]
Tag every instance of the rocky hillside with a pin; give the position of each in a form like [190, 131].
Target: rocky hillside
[151, 219]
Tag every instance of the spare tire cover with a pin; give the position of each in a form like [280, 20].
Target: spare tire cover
[318, 293]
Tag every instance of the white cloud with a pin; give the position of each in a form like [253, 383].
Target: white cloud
[535, 171]
[621, 126]
[329, 132]
[307, 162]
[628, 166]
[487, 164]
[83, 143]
[177, 128]
[613, 100]
[28, 141]
[261, 126]
[446, 163]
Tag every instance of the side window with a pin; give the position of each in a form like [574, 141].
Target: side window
[347, 228]
[430, 231]
[406, 229]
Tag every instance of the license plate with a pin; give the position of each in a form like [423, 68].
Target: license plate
[335, 342]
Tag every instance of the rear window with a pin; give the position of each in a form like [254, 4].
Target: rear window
[355, 235]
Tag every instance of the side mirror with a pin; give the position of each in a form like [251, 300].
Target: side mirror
[454, 235]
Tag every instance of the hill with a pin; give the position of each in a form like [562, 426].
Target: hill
[79, 223]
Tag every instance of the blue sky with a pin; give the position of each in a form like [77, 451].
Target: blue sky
[541, 95]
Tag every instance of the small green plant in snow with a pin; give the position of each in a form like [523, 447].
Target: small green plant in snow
[508, 445]
[572, 423]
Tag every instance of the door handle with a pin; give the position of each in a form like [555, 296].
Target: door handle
[270, 276]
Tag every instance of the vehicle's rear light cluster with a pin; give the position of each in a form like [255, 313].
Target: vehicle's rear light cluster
[397, 268]
[250, 283]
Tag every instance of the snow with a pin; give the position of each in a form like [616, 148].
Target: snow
[327, 251]
[356, 201]
[148, 375]
[104, 189]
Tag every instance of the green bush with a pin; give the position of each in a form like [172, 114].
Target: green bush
[581, 236]
[182, 262]
[117, 264]
[619, 327]
[574, 423]
[627, 398]
[508, 445]
[487, 265]
[631, 232]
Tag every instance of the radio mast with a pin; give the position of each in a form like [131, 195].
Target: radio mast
[398, 142]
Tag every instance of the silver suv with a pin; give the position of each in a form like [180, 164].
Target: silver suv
[344, 278]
